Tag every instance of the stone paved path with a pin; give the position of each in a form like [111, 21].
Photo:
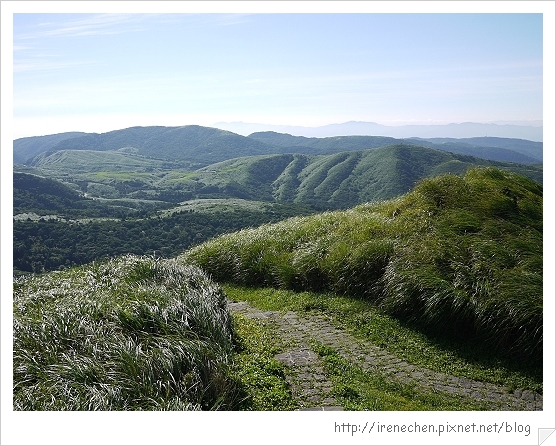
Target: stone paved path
[312, 389]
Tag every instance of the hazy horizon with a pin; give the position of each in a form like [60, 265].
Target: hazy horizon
[519, 130]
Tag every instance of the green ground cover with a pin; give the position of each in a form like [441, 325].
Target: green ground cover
[448, 277]
[361, 318]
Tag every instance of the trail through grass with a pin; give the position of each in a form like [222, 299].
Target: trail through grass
[447, 277]
[460, 257]
[365, 321]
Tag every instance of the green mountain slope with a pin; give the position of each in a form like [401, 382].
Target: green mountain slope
[74, 162]
[459, 256]
[200, 146]
[44, 196]
[26, 148]
[531, 149]
[192, 143]
[495, 149]
[48, 244]
[339, 180]
[490, 153]
[323, 146]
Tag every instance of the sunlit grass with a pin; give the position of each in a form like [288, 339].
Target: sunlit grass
[129, 334]
[458, 256]
[358, 389]
[457, 262]
[261, 378]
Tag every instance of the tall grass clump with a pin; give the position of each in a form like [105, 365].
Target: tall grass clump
[471, 261]
[133, 333]
[458, 256]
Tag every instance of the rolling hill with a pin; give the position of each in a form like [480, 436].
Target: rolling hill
[494, 149]
[37, 194]
[195, 144]
[202, 146]
[532, 149]
[74, 162]
[34, 194]
[337, 180]
[26, 148]
[322, 146]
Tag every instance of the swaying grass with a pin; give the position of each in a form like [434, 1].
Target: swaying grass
[133, 333]
[459, 256]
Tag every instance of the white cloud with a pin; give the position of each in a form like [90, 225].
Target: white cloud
[90, 24]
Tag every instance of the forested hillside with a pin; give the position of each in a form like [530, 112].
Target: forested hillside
[49, 244]
[33, 194]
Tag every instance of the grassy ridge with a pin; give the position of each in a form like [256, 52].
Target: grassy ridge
[335, 181]
[91, 161]
[192, 143]
[130, 334]
[340, 180]
[457, 255]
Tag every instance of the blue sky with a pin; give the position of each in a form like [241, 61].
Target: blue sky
[99, 72]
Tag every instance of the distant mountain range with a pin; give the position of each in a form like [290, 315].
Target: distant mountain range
[462, 130]
[491, 148]
[158, 165]
[201, 146]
